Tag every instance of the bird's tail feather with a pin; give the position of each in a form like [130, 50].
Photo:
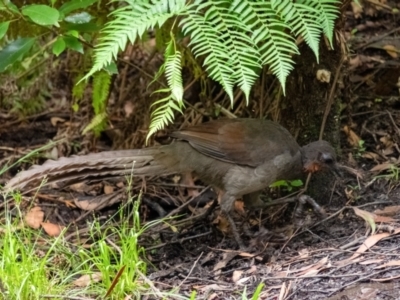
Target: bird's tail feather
[138, 162]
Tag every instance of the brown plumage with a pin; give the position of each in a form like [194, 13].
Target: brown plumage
[239, 156]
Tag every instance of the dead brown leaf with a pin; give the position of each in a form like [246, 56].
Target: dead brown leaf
[383, 219]
[370, 155]
[34, 217]
[370, 261]
[393, 263]
[55, 120]
[357, 9]
[391, 50]
[86, 280]
[368, 217]
[52, 229]
[382, 167]
[128, 108]
[237, 274]
[352, 137]
[108, 189]
[222, 224]
[213, 287]
[369, 242]
[239, 207]
[313, 269]
[226, 258]
[385, 279]
[388, 210]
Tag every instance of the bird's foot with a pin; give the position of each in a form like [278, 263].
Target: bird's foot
[235, 232]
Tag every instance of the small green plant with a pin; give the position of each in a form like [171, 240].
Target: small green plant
[360, 148]
[288, 185]
[393, 173]
[256, 294]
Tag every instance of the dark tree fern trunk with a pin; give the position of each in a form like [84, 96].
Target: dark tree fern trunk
[308, 100]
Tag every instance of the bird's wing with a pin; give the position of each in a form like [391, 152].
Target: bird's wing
[240, 141]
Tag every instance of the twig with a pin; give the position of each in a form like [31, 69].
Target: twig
[191, 270]
[330, 99]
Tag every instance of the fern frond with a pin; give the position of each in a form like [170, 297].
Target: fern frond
[173, 72]
[303, 21]
[328, 12]
[275, 45]
[97, 124]
[164, 113]
[101, 89]
[129, 23]
[231, 56]
[205, 41]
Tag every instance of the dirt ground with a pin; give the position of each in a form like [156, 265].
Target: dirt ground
[339, 257]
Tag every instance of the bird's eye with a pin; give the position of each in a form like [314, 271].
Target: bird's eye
[327, 158]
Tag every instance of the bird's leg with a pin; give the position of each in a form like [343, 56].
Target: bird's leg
[227, 202]
[299, 212]
[235, 232]
[252, 201]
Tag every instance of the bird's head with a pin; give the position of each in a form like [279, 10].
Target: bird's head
[318, 156]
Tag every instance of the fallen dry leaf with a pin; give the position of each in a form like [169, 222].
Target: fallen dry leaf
[222, 224]
[324, 75]
[382, 167]
[243, 281]
[52, 229]
[237, 274]
[252, 270]
[312, 269]
[370, 155]
[370, 261]
[369, 242]
[86, 280]
[213, 296]
[388, 210]
[34, 217]
[352, 137]
[357, 9]
[108, 189]
[55, 120]
[128, 108]
[385, 279]
[391, 50]
[393, 263]
[368, 217]
[226, 258]
[383, 219]
[239, 207]
[214, 287]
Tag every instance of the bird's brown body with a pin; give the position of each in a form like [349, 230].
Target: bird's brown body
[239, 156]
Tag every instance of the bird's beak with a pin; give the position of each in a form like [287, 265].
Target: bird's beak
[335, 169]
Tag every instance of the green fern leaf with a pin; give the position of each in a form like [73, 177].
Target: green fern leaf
[303, 20]
[161, 116]
[275, 45]
[164, 113]
[130, 22]
[101, 89]
[328, 12]
[205, 42]
[97, 124]
[231, 57]
[173, 72]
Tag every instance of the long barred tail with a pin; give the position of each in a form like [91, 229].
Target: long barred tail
[138, 162]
